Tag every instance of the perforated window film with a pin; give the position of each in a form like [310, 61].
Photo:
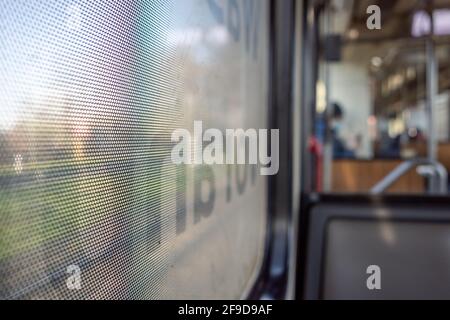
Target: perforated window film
[91, 204]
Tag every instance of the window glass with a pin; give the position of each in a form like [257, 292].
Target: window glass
[91, 204]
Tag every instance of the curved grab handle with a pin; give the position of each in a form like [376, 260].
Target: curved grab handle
[404, 167]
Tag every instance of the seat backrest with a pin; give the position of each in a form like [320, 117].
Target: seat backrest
[379, 248]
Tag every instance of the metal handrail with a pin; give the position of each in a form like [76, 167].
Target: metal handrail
[406, 166]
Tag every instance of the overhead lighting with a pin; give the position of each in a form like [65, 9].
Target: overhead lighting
[377, 62]
[321, 97]
[353, 34]
[410, 73]
[421, 23]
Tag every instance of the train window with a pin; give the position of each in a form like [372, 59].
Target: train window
[379, 71]
[91, 205]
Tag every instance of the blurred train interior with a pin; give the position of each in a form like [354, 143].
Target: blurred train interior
[339, 189]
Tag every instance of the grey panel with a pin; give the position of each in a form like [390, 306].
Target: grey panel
[414, 258]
